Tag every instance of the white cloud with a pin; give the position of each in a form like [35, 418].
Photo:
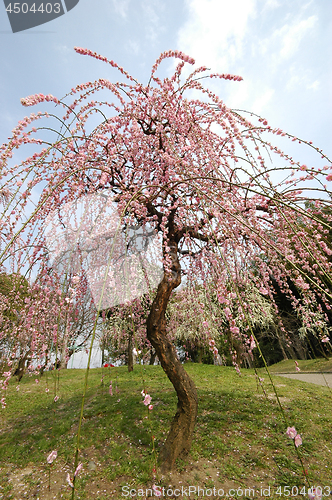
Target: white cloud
[238, 95]
[250, 97]
[260, 103]
[292, 35]
[295, 81]
[133, 47]
[271, 4]
[64, 51]
[301, 80]
[285, 42]
[64, 48]
[215, 31]
[121, 7]
[306, 5]
[275, 45]
[151, 21]
[314, 85]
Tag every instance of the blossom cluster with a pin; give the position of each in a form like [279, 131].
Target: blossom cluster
[292, 434]
[68, 478]
[37, 98]
[172, 53]
[147, 399]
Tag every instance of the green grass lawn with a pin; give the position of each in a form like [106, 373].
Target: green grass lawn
[239, 442]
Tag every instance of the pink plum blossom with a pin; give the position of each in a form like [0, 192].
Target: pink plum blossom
[156, 490]
[52, 456]
[69, 481]
[315, 493]
[78, 469]
[298, 440]
[252, 342]
[291, 432]
[147, 399]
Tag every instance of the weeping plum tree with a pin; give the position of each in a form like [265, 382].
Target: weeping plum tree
[227, 203]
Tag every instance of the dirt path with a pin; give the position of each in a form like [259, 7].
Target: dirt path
[312, 378]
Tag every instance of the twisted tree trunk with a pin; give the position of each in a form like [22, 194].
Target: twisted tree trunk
[21, 365]
[178, 442]
[152, 357]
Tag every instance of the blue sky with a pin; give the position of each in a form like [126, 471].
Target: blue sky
[281, 48]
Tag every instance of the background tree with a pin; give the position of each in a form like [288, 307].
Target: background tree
[125, 333]
[14, 289]
[204, 177]
[78, 324]
[200, 322]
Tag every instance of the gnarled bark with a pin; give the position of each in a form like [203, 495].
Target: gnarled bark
[179, 439]
[130, 353]
[19, 372]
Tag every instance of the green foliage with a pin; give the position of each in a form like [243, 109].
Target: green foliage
[14, 288]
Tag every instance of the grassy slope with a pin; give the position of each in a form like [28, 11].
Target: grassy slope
[308, 365]
[239, 441]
